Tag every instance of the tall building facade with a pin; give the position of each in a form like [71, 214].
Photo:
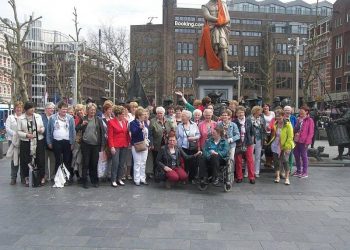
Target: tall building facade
[340, 56]
[6, 77]
[256, 26]
[53, 73]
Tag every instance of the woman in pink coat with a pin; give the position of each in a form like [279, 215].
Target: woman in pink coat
[303, 133]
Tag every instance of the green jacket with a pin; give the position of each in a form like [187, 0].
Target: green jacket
[286, 137]
[157, 134]
[222, 148]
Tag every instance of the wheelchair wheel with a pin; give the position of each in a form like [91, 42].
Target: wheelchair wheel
[203, 186]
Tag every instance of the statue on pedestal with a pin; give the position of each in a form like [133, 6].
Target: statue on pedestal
[215, 35]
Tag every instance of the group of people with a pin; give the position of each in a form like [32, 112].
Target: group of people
[176, 144]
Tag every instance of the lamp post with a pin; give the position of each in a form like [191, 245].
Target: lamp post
[297, 47]
[238, 70]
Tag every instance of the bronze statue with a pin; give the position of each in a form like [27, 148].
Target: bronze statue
[215, 35]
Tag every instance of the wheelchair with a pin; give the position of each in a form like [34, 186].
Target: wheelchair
[225, 175]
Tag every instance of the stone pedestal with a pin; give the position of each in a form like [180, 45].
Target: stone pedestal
[216, 81]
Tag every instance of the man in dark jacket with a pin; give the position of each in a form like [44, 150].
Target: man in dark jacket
[345, 120]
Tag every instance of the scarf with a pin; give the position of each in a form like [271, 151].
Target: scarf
[242, 123]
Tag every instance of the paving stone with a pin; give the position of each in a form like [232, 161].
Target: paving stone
[277, 245]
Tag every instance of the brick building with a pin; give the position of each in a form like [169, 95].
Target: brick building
[340, 56]
[255, 26]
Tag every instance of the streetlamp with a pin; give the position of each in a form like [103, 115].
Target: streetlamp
[297, 48]
[238, 70]
[75, 93]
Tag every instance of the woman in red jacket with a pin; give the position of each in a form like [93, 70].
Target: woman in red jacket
[118, 142]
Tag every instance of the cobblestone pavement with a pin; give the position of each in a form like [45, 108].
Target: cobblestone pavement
[311, 213]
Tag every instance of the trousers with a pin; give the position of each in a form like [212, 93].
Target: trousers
[250, 163]
[118, 161]
[177, 174]
[90, 160]
[140, 159]
[300, 154]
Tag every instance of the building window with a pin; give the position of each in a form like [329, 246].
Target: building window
[348, 58]
[339, 42]
[185, 18]
[179, 48]
[338, 61]
[235, 21]
[186, 31]
[184, 65]
[283, 66]
[282, 48]
[250, 33]
[183, 81]
[348, 83]
[184, 48]
[338, 84]
[233, 50]
[284, 83]
[251, 50]
[249, 21]
[251, 67]
[235, 33]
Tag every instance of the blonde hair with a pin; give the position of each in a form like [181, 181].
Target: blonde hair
[133, 105]
[118, 110]
[234, 102]
[256, 109]
[107, 104]
[91, 105]
[240, 108]
[79, 107]
[139, 111]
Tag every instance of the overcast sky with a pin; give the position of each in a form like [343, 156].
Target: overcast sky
[57, 14]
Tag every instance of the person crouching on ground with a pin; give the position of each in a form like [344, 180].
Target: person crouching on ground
[215, 152]
[281, 145]
[169, 163]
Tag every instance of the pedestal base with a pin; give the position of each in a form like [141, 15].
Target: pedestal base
[216, 81]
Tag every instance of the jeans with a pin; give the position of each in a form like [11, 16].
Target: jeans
[250, 163]
[63, 153]
[213, 162]
[14, 169]
[191, 164]
[118, 161]
[300, 153]
[90, 160]
[257, 156]
[177, 174]
[140, 159]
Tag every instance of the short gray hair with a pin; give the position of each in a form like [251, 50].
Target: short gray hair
[187, 113]
[160, 110]
[49, 105]
[197, 111]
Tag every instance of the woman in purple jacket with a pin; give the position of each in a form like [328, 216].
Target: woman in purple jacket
[303, 133]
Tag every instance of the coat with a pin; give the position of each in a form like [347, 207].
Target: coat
[306, 132]
[23, 127]
[232, 133]
[286, 137]
[99, 127]
[222, 148]
[249, 132]
[118, 136]
[156, 132]
[51, 128]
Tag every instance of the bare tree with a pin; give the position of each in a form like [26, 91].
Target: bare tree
[267, 64]
[15, 48]
[57, 74]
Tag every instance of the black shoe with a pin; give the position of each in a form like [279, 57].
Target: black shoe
[95, 185]
[252, 181]
[85, 186]
[339, 157]
[238, 180]
[13, 182]
[216, 182]
[144, 182]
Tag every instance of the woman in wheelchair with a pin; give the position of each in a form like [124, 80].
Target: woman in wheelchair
[215, 153]
[169, 164]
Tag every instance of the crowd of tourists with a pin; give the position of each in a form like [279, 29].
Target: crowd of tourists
[173, 144]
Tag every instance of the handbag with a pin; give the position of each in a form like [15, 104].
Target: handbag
[140, 146]
[192, 145]
[241, 149]
[34, 173]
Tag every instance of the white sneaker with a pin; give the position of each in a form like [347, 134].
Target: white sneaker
[287, 182]
[245, 175]
[121, 183]
[114, 184]
[257, 175]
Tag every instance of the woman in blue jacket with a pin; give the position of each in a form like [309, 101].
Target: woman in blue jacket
[140, 143]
